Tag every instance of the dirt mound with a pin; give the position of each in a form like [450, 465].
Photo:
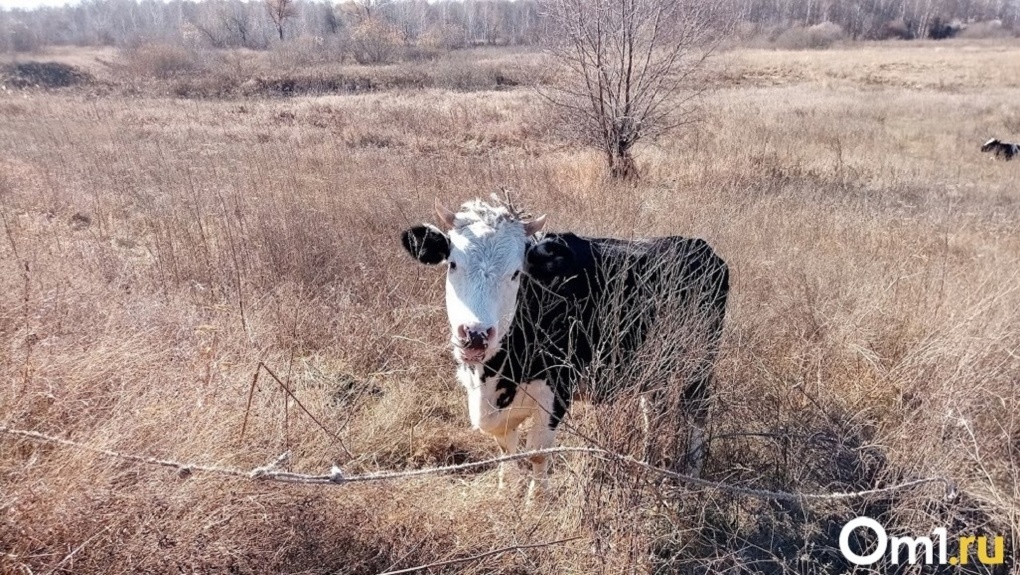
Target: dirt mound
[43, 75]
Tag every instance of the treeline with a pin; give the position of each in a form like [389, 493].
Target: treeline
[883, 19]
[380, 25]
[258, 24]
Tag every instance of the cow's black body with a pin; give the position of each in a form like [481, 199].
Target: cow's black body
[1004, 150]
[588, 305]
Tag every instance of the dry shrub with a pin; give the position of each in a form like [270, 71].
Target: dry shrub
[449, 73]
[421, 53]
[443, 37]
[163, 61]
[744, 31]
[817, 37]
[307, 51]
[894, 30]
[455, 76]
[352, 80]
[747, 34]
[984, 30]
[375, 42]
[205, 86]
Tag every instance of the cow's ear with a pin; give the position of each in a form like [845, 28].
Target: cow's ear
[549, 259]
[427, 244]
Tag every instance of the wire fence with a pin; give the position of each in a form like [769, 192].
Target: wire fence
[336, 475]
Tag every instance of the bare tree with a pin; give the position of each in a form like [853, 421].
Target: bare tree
[279, 12]
[236, 19]
[630, 69]
[367, 8]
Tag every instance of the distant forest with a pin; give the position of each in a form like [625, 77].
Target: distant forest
[451, 24]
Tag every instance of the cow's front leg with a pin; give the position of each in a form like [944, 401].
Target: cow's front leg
[542, 434]
[496, 409]
[696, 404]
[508, 443]
[646, 421]
[503, 425]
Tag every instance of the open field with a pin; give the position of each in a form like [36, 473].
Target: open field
[155, 249]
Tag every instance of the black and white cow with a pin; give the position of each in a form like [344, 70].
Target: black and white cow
[1003, 150]
[532, 313]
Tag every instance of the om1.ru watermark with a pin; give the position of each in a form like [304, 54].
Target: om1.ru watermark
[921, 549]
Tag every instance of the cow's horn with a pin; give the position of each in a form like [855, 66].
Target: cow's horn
[534, 226]
[445, 215]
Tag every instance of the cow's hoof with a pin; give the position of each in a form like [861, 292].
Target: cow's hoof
[538, 490]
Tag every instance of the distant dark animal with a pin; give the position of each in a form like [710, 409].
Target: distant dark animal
[1003, 150]
[530, 312]
[940, 29]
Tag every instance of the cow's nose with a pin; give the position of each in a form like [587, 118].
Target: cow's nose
[475, 339]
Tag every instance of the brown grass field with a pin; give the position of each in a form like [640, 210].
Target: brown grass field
[156, 248]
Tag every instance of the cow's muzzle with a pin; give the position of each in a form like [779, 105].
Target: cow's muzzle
[474, 343]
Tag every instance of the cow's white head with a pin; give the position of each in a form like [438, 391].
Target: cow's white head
[484, 249]
[990, 145]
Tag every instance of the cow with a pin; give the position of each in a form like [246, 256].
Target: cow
[1003, 150]
[533, 314]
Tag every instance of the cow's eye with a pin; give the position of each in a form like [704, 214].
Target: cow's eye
[453, 266]
[516, 275]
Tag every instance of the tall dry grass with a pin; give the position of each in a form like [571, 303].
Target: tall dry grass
[156, 250]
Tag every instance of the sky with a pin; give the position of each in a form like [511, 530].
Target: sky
[34, 3]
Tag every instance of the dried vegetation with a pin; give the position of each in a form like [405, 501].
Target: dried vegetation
[155, 249]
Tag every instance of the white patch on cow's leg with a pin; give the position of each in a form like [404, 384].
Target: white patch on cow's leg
[540, 436]
[696, 404]
[646, 423]
[508, 446]
[696, 453]
[484, 399]
[698, 446]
